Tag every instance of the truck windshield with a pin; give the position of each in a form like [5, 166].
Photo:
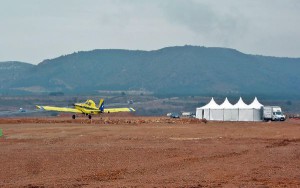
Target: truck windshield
[278, 113]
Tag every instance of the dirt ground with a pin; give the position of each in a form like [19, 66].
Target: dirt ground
[148, 152]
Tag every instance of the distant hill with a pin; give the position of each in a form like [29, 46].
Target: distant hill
[183, 70]
[12, 71]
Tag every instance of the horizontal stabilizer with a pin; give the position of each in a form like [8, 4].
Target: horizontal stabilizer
[112, 110]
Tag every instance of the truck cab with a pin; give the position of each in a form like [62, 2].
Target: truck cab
[278, 115]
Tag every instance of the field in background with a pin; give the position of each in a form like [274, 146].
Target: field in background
[146, 105]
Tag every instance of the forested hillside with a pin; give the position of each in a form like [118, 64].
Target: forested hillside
[185, 70]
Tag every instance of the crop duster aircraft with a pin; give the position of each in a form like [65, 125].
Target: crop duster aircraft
[87, 108]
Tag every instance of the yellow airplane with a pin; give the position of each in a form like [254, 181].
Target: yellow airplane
[87, 108]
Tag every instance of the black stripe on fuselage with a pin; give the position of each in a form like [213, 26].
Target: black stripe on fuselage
[88, 108]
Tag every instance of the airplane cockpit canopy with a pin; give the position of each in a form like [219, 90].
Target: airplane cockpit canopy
[90, 103]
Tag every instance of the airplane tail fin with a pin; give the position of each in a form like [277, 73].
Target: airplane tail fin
[101, 105]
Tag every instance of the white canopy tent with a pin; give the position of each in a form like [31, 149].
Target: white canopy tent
[228, 112]
[257, 110]
[244, 112]
[211, 111]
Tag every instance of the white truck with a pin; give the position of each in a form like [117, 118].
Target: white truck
[188, 114]
[273, 113]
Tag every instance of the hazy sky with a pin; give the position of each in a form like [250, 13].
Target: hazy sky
[34, 30]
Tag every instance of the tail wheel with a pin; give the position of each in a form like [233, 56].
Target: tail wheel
[73, 116]
[90, 116]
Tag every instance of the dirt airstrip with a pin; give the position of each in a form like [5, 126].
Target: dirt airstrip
[148, 152]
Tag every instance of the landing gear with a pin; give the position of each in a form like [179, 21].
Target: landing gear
[89, 116]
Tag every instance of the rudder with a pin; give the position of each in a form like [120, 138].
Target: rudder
[101, 105]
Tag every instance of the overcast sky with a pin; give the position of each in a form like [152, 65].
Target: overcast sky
[34, 30]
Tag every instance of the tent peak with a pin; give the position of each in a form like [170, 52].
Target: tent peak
[255, 104]
[226, 104]
[240, 104]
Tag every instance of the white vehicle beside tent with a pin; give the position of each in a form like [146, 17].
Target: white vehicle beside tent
[273, 113]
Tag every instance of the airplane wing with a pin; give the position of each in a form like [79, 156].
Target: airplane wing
[112, 110]
[59, 109]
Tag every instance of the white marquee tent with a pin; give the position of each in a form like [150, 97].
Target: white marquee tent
[228, 112]
[257, 110]
[211, 110]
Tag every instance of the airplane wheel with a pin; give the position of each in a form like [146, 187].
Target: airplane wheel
[90, 116]
[73, 116]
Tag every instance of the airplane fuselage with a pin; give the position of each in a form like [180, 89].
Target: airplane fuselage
[88, 107]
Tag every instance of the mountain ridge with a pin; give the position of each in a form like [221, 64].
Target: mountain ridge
[187, 70]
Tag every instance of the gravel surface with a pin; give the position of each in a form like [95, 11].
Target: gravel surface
[148, 152]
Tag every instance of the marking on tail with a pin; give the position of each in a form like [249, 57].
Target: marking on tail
[101, 105]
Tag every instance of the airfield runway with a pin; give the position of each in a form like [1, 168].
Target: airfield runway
[148, 152]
